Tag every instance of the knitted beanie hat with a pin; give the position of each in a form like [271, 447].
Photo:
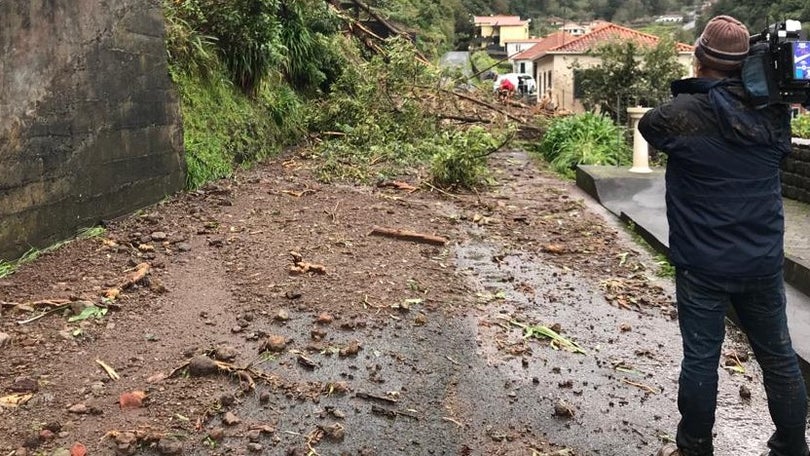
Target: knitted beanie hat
[723, 45]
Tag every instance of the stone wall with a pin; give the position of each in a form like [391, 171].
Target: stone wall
[89, 122]
[796, 172]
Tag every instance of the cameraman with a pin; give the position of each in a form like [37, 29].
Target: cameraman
[726, 225]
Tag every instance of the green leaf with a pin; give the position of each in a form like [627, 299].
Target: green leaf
[89, 312]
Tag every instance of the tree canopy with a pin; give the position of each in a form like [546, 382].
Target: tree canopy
[628, 75]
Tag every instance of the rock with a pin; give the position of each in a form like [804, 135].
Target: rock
[625, 327]
[159, 236]
[563, 410]
[254, 435]
[282, 315]
[78, 409]
[183, 247]
[745, 393]
[335, 432]
[217, 434]
[229, 419]
[324, 319]
[32, 442]
[126, 443]
[274, 343]
[5, 339]
[351, 349]
[24, 385]
[227, 399]
[317, 334]
[420, 320]
[78, 449]
[169, 446]
[225, 353]
[255, 447]
[293, 294]
[264, 397]
[22, 451]
[46, 435]
[201, 365]
[61, 452]
[306, 362]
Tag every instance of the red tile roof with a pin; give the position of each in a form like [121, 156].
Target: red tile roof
[551, 41]
[610, 31]
[498, 20]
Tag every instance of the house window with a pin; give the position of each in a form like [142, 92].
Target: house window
[522, 67]
[549, 79]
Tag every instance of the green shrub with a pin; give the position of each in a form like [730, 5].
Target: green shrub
[588, 139]
[459, 157]
[379, 124]
[801, 126]
[223, 128]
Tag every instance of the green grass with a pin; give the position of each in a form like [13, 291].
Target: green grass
[225, 129]
[8, 268]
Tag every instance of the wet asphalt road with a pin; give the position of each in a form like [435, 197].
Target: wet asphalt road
[452, 390]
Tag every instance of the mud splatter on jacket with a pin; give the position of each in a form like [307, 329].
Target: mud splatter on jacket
[724, 203]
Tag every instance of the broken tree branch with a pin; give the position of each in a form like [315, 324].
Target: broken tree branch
[375, 397]
[408, 235]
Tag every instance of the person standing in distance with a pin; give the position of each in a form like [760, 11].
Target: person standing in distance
[726, 237]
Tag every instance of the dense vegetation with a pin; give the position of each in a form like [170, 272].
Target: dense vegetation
[256, 75]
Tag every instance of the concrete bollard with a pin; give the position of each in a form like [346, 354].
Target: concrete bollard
[641, 152]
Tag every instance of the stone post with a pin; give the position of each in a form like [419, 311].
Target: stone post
[641, 154]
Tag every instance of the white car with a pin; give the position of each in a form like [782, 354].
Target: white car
[515, 78]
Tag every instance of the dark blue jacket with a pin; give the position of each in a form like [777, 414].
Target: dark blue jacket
[724, 203]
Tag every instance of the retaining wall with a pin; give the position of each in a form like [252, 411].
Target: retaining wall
[796, 172]
[89, 122]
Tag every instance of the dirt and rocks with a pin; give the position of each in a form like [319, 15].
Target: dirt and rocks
[259, 316]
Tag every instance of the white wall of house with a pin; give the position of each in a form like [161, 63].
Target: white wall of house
[555, 76]
[523, 66]
[517, 47]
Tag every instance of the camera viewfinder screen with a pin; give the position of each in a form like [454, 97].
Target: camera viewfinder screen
[801, 60]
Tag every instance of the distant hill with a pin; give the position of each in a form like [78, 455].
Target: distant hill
[445, 24]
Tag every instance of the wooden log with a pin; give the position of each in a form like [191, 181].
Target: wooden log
[408, 235]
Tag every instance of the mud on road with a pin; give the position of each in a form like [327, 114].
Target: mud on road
[271, 322]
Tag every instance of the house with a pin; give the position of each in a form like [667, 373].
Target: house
[523, 62]
[669, 19]
[493, 32]
[573, 28]
[552, 68]
[518, 46]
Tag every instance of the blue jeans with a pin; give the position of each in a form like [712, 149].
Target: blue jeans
[760, 306]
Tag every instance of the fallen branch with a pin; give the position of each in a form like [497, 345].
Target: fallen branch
[377, 410]
[399, 185]
[375, 397]
[109, 370]
[135, 275]
[41, 303]
[640, 385]
[301, 267]
[482, 103]
[44, 314]
[408, 235]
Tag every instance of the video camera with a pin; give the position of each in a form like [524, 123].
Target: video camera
[777, 69]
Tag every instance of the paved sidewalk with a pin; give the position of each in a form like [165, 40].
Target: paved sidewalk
[638, 199]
